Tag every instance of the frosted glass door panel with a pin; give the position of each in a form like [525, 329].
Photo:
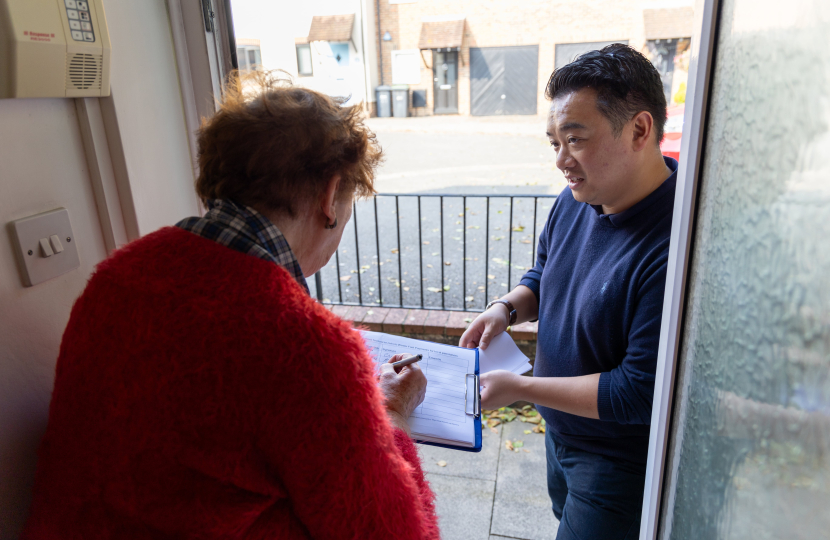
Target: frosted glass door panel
[749, 455]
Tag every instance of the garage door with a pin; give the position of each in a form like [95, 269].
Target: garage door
[504, 80]
[568, 52]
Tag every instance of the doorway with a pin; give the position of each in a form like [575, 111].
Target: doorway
[445, 76]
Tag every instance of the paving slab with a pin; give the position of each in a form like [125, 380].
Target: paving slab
[521, 508]
[463, 506]
[481, 465]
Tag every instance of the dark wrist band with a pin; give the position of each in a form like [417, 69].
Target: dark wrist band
[510, 309]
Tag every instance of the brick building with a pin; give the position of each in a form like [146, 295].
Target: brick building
[490, 57]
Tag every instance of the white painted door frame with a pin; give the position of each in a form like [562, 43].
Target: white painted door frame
[691, 147]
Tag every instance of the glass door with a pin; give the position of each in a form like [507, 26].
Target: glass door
[749, 451]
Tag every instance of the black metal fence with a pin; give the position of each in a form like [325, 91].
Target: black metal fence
[398, 232]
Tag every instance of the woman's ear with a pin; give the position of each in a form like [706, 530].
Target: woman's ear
[329, 199]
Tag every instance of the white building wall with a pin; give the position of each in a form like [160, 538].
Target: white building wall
[42, 167]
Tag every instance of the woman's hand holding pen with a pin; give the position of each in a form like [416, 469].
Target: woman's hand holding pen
[403, 391]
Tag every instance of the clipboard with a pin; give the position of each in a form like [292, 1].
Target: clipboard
[472, 407]
[448, 412]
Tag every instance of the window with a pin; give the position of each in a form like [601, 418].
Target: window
[304, 60]
[406, 67]
[248, 55]
[340, 53]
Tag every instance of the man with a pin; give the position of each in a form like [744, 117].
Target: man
[597, 290]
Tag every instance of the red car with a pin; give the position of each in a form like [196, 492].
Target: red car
[673, 130]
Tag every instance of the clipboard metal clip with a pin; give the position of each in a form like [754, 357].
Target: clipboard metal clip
[476, 397]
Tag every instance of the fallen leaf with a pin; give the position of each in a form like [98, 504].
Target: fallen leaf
[394, 250]
[447, 263]
[518, 444]
[406, 288]
[527, 432]
[468, 320]
[429, 266]
[372, 289]
[366, 267]
[370, 312]
[436, 230]
[442, 463]
[345, 278]
[518, 228]
[470, 298]
[435, 254]
[434, 289]
[426, 242]
[491, 276]
[526, 450]
[446, 287]
[508, 444]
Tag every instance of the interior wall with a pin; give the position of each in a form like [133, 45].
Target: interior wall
[42, 167]
[148, 104]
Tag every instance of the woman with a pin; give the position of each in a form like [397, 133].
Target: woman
[200, 391]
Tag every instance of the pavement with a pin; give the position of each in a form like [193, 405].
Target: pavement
[496, 493]
[466, 154]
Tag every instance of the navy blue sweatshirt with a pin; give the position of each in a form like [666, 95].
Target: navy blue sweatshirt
[600, 280]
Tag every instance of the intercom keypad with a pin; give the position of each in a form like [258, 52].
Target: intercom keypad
[80, 23]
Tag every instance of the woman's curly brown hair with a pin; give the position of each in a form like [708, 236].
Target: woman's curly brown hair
[276, 146]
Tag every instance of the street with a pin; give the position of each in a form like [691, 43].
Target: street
[475, 176]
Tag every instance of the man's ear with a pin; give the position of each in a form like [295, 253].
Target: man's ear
[329, 198]
[643, 127]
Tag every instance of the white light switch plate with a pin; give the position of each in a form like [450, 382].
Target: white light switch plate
[28, 232]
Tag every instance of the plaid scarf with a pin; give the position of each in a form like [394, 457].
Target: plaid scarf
[243, 229]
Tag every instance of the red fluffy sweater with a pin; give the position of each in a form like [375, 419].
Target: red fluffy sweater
[200, 393]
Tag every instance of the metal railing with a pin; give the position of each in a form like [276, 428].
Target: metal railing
[369, 240]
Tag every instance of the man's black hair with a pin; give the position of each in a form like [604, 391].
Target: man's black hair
[625, 81]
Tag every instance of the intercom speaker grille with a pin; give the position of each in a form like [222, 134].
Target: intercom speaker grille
[84, 71]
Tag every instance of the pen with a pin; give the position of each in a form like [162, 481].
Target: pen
[406, 361]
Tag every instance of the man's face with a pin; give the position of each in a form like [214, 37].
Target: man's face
[596, 164]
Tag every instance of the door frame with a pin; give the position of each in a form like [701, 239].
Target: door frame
[674, 300]
[435, 110]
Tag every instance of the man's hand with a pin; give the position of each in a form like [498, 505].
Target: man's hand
[500, 388]
[486, 326]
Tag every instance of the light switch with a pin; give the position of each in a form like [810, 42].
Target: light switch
[46, 246]
[55, 242]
